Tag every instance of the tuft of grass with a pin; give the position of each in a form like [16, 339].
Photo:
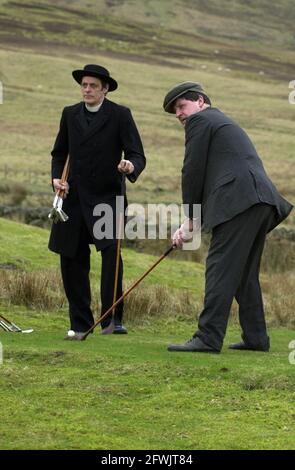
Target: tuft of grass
[278, 291]
[36, 290]
[145, 303]
[44, 291]
[279, 252]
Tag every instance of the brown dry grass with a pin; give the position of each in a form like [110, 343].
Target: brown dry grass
[158, 300]
[279, 253]
[278, 289]
[36, 290]
[43, 290]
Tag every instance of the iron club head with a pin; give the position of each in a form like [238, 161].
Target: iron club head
[61, 215]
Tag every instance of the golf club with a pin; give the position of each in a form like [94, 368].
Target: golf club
[110, 328]
[83, 337]
[7, 325]
[57, 214]
[4, 326]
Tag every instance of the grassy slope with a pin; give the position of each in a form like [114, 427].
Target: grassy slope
[105, 21]
[25, 247]
[37, 83]
[130, 393]
[58, 395]
[39, 96]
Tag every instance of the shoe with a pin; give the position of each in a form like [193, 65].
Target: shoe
[246, 347]
[76, 337]
[120, 330]
[193, 345]
[108, 330]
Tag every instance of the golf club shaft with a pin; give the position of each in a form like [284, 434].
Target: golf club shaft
[117, 270]
[128, 292]
[5, 319]
[5, 326]
[64, 176]
[119, 237]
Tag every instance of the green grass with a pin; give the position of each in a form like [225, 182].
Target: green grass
[112, 25]
[25, 247]
[130, 393]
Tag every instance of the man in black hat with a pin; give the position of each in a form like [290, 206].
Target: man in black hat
[95, 133]
[240, 205]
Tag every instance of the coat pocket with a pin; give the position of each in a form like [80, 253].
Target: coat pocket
[224, 179]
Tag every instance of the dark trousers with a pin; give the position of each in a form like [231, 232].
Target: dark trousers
[75, 275]
[232, 270]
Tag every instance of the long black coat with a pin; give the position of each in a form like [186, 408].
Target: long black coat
[223, 172]
[95, 151]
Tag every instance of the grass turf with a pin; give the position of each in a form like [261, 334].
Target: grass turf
[128, 392]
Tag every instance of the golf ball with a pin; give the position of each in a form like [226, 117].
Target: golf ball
[71, 333]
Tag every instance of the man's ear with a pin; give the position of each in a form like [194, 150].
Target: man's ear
[201, 101]
[106, 88]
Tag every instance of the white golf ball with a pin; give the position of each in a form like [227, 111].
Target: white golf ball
[71, 333]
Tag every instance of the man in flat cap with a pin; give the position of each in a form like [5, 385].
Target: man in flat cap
[94, 133]
[240, 205]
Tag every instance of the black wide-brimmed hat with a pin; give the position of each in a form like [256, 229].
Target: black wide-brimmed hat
[180, 89]
[97, 71]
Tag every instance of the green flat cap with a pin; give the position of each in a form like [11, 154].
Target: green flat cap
[181, 89]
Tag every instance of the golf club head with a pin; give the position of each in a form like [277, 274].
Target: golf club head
[56, 219]
[57, 214]
[61, 215]
[15, 328]
[52, 214]
[82, 337]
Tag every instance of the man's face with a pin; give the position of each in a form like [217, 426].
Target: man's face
[92, 91]
[185, 108]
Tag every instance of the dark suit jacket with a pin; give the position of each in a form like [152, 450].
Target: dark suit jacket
[223, 172]
[95, 151]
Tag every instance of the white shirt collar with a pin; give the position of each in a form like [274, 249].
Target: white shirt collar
[93, 109]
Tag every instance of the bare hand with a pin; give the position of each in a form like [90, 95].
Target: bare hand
[185, 232]
[125, 166]
[63, 188]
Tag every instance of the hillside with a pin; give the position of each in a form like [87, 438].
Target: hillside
[25, 248]
[40, 44]
[238, 34]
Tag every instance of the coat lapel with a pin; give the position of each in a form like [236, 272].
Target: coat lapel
[87, 131]
[80, 119]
